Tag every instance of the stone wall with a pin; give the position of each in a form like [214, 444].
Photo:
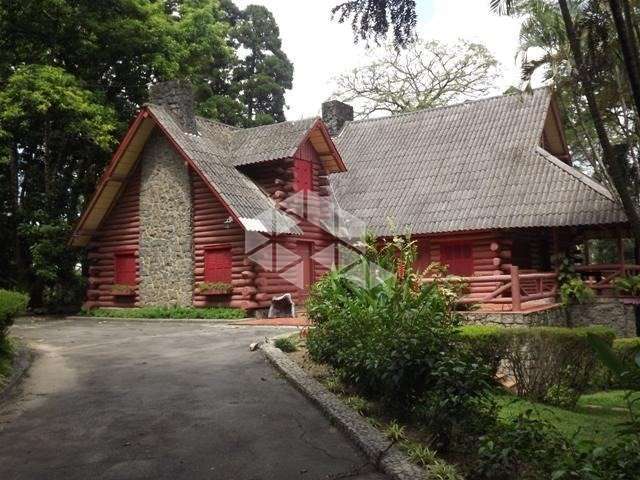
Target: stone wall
[550, 317]
[606, 311]
[603, 311]
[166, 259]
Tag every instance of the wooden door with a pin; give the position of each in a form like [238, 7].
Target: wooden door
[306, 265]
[459, 257]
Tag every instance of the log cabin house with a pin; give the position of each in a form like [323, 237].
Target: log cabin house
[486, 187]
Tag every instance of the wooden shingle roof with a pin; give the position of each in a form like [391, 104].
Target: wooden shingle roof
[472, 166]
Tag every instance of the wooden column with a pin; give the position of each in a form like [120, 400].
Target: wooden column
[621, 251]
[516, 301]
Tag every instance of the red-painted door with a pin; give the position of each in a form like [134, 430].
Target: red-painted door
[125, 269]
[217, 265]
[306, 265]
[459, 257]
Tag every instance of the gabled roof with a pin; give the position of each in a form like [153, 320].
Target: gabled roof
[215, 153]
[209, 152]
[472, 166]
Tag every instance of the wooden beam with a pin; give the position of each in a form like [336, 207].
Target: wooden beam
[516, 300]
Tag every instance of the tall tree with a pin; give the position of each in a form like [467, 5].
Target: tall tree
[72, 74]
[264, 72]
[372, 19]
[425, 74]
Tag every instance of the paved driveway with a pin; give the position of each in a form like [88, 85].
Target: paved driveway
[119, 400]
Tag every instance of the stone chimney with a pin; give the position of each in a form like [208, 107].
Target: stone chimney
[335, 114]
[177, 97]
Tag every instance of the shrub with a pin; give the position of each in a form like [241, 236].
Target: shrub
[629, 285]
[458, 402]
[421, 454]
[553, 364]
[169, 312]
[12, 304]
[626, 352]
[487, 343]
[574, 290]
[385, 339]
[561, 396]
[287, 345]
[528, 448]
[397, 340]
[541, 357]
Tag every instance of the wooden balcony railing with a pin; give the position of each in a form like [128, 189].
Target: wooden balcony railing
[602, 277]
[512, 290]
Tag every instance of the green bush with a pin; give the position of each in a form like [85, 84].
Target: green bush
[553, 364]
[575, 290]
[529, 448]
[396, 339]
[487, 342]
[287, 345]
[12, 304]
[169, 312]
[626, 351]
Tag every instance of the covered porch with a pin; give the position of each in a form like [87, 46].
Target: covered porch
[517, 270]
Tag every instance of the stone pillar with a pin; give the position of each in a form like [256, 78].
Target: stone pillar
[166, 259]
[335, 114]
[177, 97]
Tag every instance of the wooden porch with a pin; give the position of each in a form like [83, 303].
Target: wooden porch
[523, 268]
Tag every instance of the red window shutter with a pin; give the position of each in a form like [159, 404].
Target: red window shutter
[459, 257]
[303, 174]
[125, 269]
[217, 265]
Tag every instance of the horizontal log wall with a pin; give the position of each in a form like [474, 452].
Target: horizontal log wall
[488, 250]
[120, 232]
[276, 178]
[209, 229]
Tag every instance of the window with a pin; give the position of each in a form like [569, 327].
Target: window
[125, 269]
[217, 265]
[303, 175]
[459, 257]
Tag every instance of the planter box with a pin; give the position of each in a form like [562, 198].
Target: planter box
[213, 293]
[124, 293]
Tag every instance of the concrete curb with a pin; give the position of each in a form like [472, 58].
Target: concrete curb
[21, 363]
[380, 451]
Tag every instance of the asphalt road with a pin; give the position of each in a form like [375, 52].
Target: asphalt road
[132, 400]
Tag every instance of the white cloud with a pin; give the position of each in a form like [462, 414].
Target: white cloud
[321, 48]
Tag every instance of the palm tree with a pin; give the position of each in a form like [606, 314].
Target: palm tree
[613, 156]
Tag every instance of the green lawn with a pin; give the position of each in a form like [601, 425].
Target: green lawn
[169, 312]
[598, 425]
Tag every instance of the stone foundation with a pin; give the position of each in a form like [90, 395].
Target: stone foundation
[166, 259]
[603, 311]
[608, 312]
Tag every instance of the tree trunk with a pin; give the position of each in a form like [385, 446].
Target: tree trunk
[626, 37]
[614, 159]
[18, 258]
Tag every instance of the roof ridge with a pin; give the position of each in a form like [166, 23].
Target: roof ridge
[453, 105]
[306, 119]
[577, 174]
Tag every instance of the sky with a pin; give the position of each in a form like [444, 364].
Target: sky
[321, 49]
